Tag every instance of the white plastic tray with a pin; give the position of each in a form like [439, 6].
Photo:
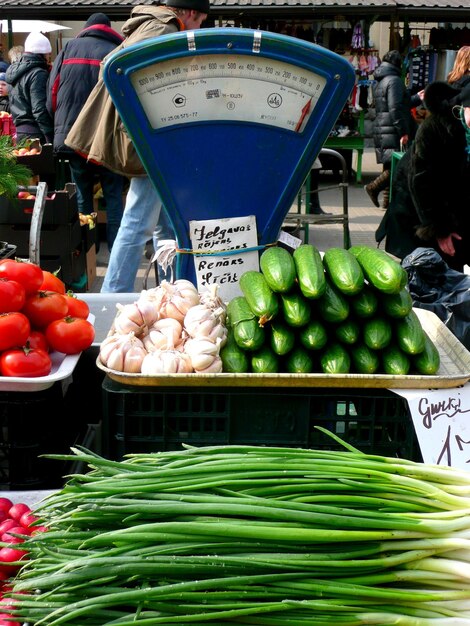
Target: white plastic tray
[62, 367]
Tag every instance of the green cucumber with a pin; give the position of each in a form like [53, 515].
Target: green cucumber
[299, 361]
[277, 266]
[365, 360]
[259, 295]
[377, 333]
[333, 305]
[247, 332]
[264, 361]
[234, 359]
[365, 303]
[380, 269]
[395, 362]
[348, 332]
[428, 361]
[282, 338]
[397, 304]
[344, 270]
[313, 336]
[295, 308]
[335, 359]
[310, 271]
[410, 334]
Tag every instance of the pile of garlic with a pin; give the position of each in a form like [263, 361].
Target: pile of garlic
[169, 329]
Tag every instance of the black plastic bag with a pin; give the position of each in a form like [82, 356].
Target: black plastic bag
[436, 287]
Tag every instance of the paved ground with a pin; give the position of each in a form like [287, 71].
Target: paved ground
[364, 218]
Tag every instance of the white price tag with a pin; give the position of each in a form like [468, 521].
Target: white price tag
[233, 235]
[441, 418]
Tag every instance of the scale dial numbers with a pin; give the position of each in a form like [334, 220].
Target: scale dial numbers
[228, 88]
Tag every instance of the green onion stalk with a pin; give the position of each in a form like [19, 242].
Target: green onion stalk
[250, 535]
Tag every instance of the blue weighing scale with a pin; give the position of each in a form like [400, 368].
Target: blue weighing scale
[227, 122]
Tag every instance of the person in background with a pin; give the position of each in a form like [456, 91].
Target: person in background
[4, 99]
[440, 172]
[430, 204]
[459, 76]
[3, 64]
[27, 80]
[143, 204]
[14, 53]
[74, 73]
[394, 126]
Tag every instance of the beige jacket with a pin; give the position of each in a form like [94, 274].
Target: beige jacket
[98, 133]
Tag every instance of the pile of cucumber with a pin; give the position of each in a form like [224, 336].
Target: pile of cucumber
[348, 312]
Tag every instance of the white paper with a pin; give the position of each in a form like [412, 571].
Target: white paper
[441, 419]
[219, 235]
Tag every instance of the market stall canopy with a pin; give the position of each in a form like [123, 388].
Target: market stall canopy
[29, 26]
[381, 10]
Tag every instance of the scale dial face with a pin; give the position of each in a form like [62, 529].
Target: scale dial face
[229, 88]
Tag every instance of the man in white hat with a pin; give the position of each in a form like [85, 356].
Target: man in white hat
[27, 80]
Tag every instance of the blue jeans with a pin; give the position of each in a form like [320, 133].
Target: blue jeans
[141, 215]
[84, 174]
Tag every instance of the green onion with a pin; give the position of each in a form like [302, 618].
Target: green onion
[251, 535]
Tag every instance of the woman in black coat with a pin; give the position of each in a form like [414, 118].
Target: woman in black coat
[431, 206]
[394, 125]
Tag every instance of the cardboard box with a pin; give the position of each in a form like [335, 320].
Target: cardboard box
[60, 207]
[91, 266]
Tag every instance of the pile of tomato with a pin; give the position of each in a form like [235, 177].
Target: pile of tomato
[37, 316]
[16, 522]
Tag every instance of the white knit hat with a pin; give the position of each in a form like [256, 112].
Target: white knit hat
[36, 42]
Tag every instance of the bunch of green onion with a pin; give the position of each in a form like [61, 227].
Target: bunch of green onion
[251, 535]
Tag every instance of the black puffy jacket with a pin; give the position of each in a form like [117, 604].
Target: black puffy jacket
[74, 74]
[393, 117]
[28, 86]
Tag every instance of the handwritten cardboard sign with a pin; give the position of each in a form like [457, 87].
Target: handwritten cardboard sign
[441, 418]
[229, 234]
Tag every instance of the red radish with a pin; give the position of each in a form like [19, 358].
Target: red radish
[17, 530]
[17, 510]
[7, 524]
[5, 504]
[27, 519]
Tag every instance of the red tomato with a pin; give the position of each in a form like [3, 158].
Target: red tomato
[17, 510]
[52, 283]
[70, 335]
[36, 339]
[26, 273]
[12, 295]
[43, 307]
[77, 307]
[5, 504]
[14, 329]
[25, 362]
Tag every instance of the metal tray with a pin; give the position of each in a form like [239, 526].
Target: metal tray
[453, 372]
[62, 367]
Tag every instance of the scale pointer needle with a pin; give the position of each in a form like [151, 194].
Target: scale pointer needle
[303, 115]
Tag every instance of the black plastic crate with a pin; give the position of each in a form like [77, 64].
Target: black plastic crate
[33, 424]
[53, 239]
[60, 207]
[149, 419]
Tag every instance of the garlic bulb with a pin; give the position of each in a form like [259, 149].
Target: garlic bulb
[123, 353]
[180, 296]
[166, 362]
[157, 337]
[135, 318]
[201, 321]
[203, 352]
[213, 301]
[153, 296]
[214, 368]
